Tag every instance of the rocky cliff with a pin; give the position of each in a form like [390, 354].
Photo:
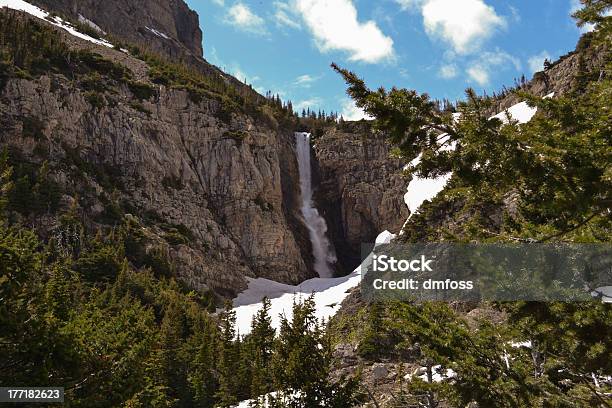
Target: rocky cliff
[166, 26]
[361, 187]
[202, 166]
[211, 185]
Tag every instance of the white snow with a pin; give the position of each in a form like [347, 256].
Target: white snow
[424, 189]
[266, 402]
[526, 344]
[328, 295]
[158, 33]
[605, 292]
[520, 112]
[438, 374]
[90, 23]
[56, 21]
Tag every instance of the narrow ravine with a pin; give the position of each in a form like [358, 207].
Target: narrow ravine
[322, 250]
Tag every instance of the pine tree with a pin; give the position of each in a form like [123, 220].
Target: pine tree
[229, 358]
[302, 363]
[6, 172]
[260, 345]
[202, 369]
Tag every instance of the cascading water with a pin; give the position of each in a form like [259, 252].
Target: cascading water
[322, 250]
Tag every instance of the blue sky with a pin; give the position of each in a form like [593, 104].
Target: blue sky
[435, 46]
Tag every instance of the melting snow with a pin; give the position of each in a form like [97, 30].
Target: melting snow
[157, 33]
[438, 374]
[56, 21]
[423, 189]
[90, 23]
[328, 295]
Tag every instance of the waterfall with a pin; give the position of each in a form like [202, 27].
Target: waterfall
[322, 250]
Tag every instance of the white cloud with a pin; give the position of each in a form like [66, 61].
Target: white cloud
[448, 71]
[305, 81]
[335, 26]
[500, 58]
[284, 15]
[410, 4]
[480, 71]
[241, 16]
[516, 16]
[536, 62]
[464, 24]
[219, 2]
[351, 112]
[478, 74]
[307, 103]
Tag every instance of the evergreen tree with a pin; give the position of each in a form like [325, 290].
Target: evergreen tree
[302, 363]
[260, 346]
[229, 358]
[202, 371]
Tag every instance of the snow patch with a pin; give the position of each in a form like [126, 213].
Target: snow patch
[438, 374]
[328, 295]
[56, 21]
[424, 189]
[90, 23]
[158, 33]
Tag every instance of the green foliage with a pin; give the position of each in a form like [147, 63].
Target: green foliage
[238, 136]
[95, 99]
[229, 361]
[141, 90]
[371, 343]
[556, 169]
[302, 363]
[33, 191]
[258, 348]
[6, 185]
[100, 261]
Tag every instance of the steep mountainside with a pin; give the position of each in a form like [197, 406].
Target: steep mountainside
[204, 165]
[167, 26]
[212, 185]
[362, 188]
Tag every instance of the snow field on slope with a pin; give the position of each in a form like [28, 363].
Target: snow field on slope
[424, 189]
[328, 295]
[56, 21]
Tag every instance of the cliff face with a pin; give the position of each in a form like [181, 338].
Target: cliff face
[226, 180]
[211, 185]
[361, 188]
[166, 26]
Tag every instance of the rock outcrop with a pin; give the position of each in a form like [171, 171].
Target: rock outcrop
[361, 188]
[227, 179]
[165, 26]
[211, 184]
